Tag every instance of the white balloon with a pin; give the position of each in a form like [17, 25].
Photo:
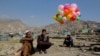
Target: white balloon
[78, 13]
[73, 5]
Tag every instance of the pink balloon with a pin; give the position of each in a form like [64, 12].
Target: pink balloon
[73, 9]
[74, 13]
[62, 13]
[61, 7]
[73, 5]
[66, 6]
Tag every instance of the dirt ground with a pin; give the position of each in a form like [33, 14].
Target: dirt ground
[9, 48]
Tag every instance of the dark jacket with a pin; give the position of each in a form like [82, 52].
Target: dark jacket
[42, 39]
[43, 42]
[68, 41]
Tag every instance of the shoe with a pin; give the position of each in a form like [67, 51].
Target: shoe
[52, 44]
[45, 52]
[40, 52]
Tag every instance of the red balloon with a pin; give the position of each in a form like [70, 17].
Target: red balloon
[57, 15]
[77, 10]
[73, 18]
[61, 22]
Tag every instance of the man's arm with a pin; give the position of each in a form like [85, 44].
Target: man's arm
[39, 40]
[27, 39]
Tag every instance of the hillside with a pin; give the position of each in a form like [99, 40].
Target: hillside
[15, 25]
[73, 26]
[12, 25]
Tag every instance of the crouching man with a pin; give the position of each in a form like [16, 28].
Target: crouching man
[68, 41]
[43, 42]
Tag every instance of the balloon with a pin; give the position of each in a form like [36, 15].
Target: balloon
[74, 13]
[77, 18]
[69, 16]
[66, 12]
[54, 17]
[64, 19]
[78, 13]
[61, 22]
[61, 7]
[73, 18]
[70, 10]
[66, 6]
[58, 11]
[62, 13]
[77, 10]
[59, 17]
[73, 5]
[73, 9]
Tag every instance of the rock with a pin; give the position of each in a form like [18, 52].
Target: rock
[96, 53]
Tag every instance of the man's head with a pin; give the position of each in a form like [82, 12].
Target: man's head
[44, 31]
[29, 34]
[68, 35]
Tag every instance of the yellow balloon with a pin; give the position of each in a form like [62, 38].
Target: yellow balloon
[54, 17]
[69, 16]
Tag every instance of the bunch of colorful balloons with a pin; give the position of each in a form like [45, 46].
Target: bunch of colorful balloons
[69, 12]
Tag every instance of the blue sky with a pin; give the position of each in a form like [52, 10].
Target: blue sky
[40, 12]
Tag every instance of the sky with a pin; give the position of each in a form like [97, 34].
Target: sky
[40, 12]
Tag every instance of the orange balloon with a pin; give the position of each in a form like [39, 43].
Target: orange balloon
[70, 10]
[66, 12]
